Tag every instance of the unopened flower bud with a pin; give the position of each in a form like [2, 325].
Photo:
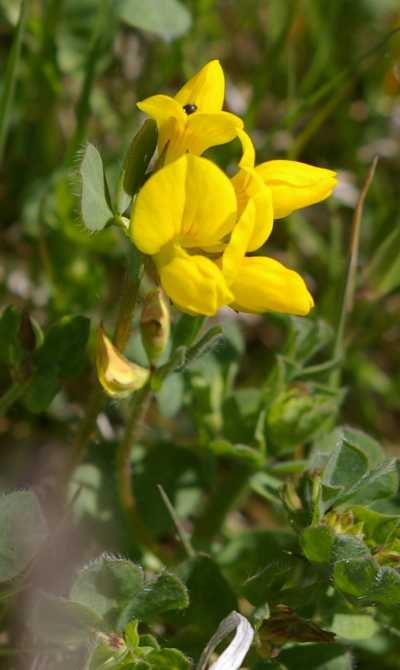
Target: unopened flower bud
[118, 376]
[297, 415]
[155, 324]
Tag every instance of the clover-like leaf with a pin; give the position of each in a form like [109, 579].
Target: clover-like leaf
[95, 210]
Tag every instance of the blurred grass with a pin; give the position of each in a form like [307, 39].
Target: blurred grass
[299, 74]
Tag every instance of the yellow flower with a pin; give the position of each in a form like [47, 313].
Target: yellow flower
[260, 284]
[193, 120]
[188, 210]
[293, 184]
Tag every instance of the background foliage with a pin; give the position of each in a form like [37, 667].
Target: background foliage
[285, 503]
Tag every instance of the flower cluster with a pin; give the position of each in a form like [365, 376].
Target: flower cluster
[199, 226]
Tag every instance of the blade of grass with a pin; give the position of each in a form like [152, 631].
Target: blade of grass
[84, 103]
[348, 294]
[10, 78]
[343, 77]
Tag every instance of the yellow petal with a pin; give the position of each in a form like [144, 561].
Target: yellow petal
[190, 199]
[194, 283]
[209, 130]
[210, 204]
[295, 185]
[248, 152]
[265, 285]
[158, 209]
[248, 184]
[169, 116]
[206, 89]
[118, 376]
[238, 244]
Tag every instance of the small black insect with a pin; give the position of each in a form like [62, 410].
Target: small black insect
[189, 108]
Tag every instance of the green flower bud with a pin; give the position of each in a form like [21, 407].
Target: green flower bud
[118, 376]
[155, 324]
[296, 416]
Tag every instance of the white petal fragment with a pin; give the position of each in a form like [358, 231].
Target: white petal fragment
[232, 657]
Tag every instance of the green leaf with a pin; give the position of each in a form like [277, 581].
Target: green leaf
[167, 659]
[23, 531]
[355, 576]
[10, 345]
[386, 589]
[246, 554]
[107, 585]
[380, 483]
[317, 543]
[60, 621]
[170, 396]
[345, 467]
[268, 584]
[64, 346]
[238, 452]
[378, 528]
[349, 547]
[167, 18]
[316, 657]
[186, 330]
[43, 387]
[354, 626]
[371, 448]
[167, 592]
[95, 210]
[131, 635]
[211, 600]
[309, 337]
[139, 155]
[180, 473]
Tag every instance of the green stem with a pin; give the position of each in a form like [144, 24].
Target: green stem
[124, 471]
[228, 491]
[12, 395]
[10, 77]
[97, 398]
[348, 294]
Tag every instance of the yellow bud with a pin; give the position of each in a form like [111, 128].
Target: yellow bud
[118, 376]
[155, 324]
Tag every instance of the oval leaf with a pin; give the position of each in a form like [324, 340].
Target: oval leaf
[167, 18]
[95, 210]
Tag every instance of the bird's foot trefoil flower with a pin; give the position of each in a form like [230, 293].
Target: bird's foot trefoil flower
[193, 120]
[199, 226]
[186, 212]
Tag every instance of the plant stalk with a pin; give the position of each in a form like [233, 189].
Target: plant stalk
[97, 398]
[126, 495]
[348, 294]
